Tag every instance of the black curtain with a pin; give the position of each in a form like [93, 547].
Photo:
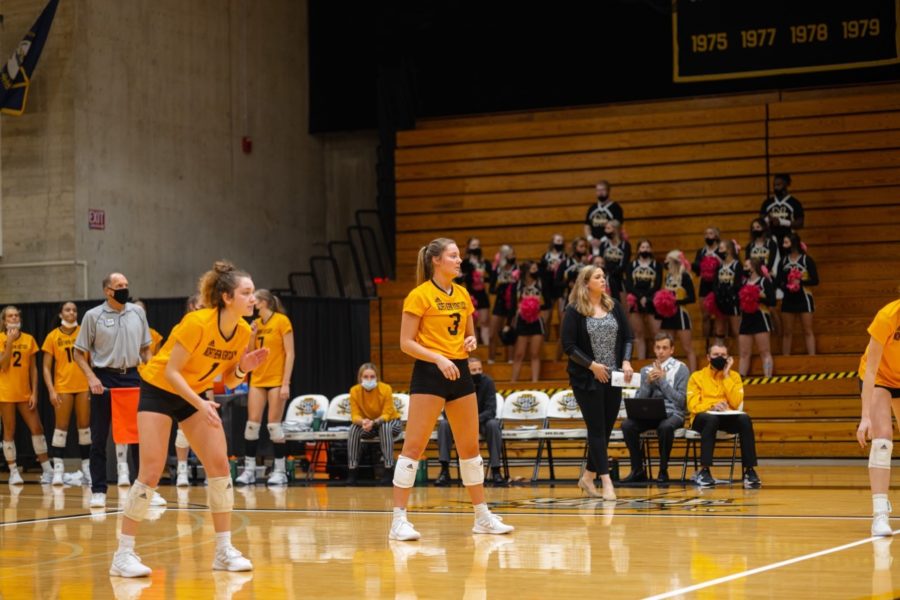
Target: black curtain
[331, 340]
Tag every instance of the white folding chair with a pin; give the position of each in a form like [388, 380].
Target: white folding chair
[300, 414]
[334, 428]
[522, 418]
[562, 410]
[692, 440]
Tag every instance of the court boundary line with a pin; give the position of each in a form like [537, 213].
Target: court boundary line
[764, 568]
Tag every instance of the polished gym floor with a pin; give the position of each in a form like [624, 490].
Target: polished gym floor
[805, 534]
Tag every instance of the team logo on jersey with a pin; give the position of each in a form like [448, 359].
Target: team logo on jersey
[449, 305]
[643, 274]
[599, 219]
[525, 403]
[614, 254]
[760, 252]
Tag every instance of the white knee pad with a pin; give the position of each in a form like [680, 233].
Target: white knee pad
[880, 453]
[59, 438]
[40, 444]
[9, 451]
[220, 494]
[137, 502]
[181, 440]
[276, 432]
[251, 431]
[405, 472]
[471, 471]
[84, 436]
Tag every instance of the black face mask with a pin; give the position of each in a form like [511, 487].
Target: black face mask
[718, 362]
[578, 254]
[780, 194]
[476, 252]
[645, 254]
[711, 241]
[477, 378]
[755, 233]
[602, 198]
[121, 296]
[559, 247]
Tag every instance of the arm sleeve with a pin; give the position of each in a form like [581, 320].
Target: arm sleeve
[355, 410]
[587, 216]
[677, 391]
[85, 338]
[694, 393]
[188, 334]
[628, 271]
[688, 284]
[769, 291]
[695, 266]
[569, 338]
[490, 402]
[813, 272]
[644, 390]
[763, 208]
[657, 281]
[415, 304]
[774, 257]
[734, 390]
[387, 404]
[627, 334]
[618, 213]
[48, 344]
[798, 210]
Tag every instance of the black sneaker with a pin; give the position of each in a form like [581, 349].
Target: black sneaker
[663, 476]
[497, 479]
[703, 478]
[443, 479]
[387, 479]
[751, 479]
[635, 477]
[351, 476]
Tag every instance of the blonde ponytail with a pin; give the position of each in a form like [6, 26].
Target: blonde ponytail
[427, 254]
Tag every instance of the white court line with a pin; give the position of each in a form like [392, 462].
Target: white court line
[763, 569]
[55, 519]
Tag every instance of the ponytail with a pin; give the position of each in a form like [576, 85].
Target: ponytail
[222, 279]
[271, 300]
[427, 254]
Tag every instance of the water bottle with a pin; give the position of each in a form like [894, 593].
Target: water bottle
[289, 466]
[232, 463]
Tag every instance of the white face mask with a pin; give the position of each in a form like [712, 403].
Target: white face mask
[369, 384]
[69, 324]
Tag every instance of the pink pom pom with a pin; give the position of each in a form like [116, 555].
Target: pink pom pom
[764, 270]
[709, 268]
[664, 303]
[794, 277]
[530, 309]
[709, 303]
[737, 247]
[684, 262]
[516, 275]
[477, 280]
[803, 247]
[632, 302]
[749, 298]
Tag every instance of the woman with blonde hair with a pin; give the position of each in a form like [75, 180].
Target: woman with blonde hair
[597, 338]
[372, 415]
[437, 330]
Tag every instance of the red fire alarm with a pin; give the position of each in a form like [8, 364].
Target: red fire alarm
[247, 144]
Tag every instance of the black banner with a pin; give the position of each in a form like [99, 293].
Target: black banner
[729, 39]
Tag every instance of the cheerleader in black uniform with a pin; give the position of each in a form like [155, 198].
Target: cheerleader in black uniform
[616, 253]
[727, 285]
[798, 273]
[678, 281]
[756, 325]
[550, 264]
[503, 280]
[643, 278]
[476, 276]
[529, 324]
[709, 250]
[763, 246]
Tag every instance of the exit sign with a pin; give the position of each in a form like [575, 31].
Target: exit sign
[96, 218]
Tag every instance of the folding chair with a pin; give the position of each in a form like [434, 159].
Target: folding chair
[334, 428]
[527, 410]
[692, 439]
[562, 408]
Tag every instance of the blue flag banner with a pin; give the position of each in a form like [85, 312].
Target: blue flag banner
[16, 74]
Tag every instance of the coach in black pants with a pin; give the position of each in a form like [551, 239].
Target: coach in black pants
[116, 336]
[597, 339]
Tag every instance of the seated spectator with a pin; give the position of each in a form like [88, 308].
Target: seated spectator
[666, 378]
[372, 414]
[711, 390]
[488, 427]
[599, 214]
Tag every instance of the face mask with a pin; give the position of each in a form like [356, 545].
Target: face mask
[711, 241]
[69, 324]
[718, 362]
[369, 384]
[645, 254]
[754, 233]
[511, 260]
[476, 252]
[780, 194]
[477, 378]
[121, 296]
[558, 247]
[602, 197]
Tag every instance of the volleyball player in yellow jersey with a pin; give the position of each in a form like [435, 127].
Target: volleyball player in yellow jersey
[68, 387]
[206, 343]
[879, 372]
[18, 389]
[438, 331]
[270, 383]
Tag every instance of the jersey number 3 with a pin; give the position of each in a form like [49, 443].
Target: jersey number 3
[455, 329]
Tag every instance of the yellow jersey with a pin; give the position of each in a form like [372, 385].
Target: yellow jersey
[15, 381]
[707, 387]
[379, 403]
[271, 335]
[443, 318]
[210, 353]
[156, 339]
[885, 328]
[68, 378]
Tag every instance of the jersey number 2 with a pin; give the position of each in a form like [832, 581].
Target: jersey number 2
[17, 359]
[455, 329]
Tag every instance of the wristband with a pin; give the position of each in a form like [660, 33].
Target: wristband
[238, 373]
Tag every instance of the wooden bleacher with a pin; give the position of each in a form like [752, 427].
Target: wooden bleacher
[677, 167]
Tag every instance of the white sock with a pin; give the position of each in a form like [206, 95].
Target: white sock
[223, 539]
[86, 465]
[122, 453]
[279, 465]
[182, 465]
[58, 462]
[46, 467]
[399, 513]
[126, 542]
[250, 462]
[880, 504]
[13, 467]
[481, 510]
